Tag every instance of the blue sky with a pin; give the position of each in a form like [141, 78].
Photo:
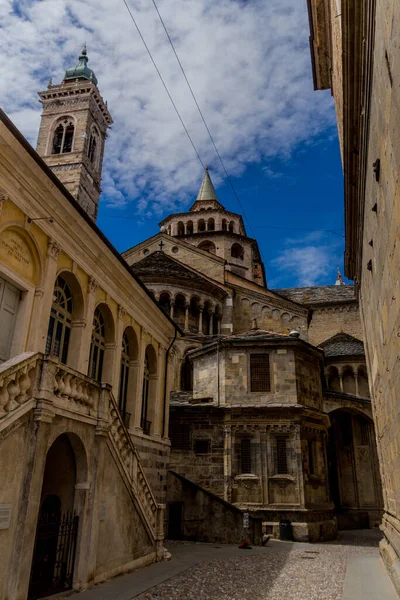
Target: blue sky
[249, 65]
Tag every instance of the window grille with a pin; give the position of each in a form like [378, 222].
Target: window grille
[245, 455]
[180, 436]
[260, 380]
[202, 446]
[281, 467]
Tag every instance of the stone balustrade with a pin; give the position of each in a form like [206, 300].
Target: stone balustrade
[17, 381]
[36, 377]
[77, 388]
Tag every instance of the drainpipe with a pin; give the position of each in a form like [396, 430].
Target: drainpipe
[218, 372]
[165, 382]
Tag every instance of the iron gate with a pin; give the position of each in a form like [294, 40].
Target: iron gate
[54, 555]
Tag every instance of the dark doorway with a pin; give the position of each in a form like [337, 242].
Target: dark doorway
[187, 375]
[57, 527]
[175, 514]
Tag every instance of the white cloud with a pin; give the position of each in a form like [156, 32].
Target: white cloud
[309, 260]
[248, 63]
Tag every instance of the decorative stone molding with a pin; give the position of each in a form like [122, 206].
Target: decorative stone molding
[92, 285]
[121, 313]
[53, 249]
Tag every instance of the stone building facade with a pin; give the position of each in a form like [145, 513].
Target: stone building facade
[265, 381]
[86, 366]
[356, 55]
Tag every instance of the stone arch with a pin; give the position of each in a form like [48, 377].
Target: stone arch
[207, 246]
[189, 227]
[102, 347]
[363, 385]
[224, 225]
[211, 224]
[285, 317]
[180, 309]
[349, 381]
[64, 332]
[61, 497]
[187, 372]
[180, 228]
[129, 370]
[149, 390]
[256, 309]
[231, 227]
[216, 320]
[333, 379]
[237, 251]
[64, 140]
[164, 302]
[207, 317]
[20, 252]
[194, 314]
[276, 314]
[201, 225]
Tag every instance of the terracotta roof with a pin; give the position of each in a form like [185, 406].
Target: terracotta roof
[322, 294]
[343, 344]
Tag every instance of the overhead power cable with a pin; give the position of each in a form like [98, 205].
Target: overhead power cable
[202, 116]
[163, 82]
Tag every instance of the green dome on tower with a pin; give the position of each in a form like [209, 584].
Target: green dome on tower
[81, 71]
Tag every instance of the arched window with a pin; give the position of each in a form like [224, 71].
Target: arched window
[237, 251]
[334, 380]
[349, 382]
[224, 225]
[211, 224]
[232, 227]
[201, 225]
[187, 375]
[59, 332]
[180, 228]
[207, 246]
[189, 227]
[124, 379]
[149, 389]
[98, 346]
[165, 302]
[363, 387]
[93, 146]
[63, 137]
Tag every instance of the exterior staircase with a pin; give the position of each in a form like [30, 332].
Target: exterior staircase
[34, 382]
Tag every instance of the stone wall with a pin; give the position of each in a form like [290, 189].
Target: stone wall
[380, 286]
[208, 518]
[154, 456]
[328, 320]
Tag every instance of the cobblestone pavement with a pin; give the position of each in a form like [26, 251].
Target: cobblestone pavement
[285, 571]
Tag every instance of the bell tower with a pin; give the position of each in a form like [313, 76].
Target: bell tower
[72, 133]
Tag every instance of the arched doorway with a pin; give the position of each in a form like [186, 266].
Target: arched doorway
[187, 375]
[57, 527]
[353, 469]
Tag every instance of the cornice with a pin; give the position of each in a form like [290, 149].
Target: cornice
[358, 26]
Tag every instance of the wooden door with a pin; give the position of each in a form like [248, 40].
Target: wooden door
[9, 301]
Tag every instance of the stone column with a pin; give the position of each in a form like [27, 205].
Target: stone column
[119, 330]
[169, 386]
[356, 380]
[341, 380]
[139, 383]
[44, 299]
[171, 308]
[187, 306]
[86, 337]
[210, 326]
[159, 404]
[201, 309]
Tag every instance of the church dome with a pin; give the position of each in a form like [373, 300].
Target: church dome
[81, 71]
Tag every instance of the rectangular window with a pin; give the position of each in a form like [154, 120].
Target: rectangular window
[245, 455]
[281, 467]
[180, 436]
[202, 446]
[260, 380]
